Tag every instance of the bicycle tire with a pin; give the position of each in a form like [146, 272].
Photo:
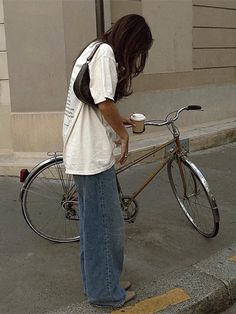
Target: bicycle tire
[201, 210]
[49, 202]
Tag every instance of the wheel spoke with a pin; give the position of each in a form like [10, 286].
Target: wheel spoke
[42, 195]
[208, 207]
[45, 184]
[61, 177]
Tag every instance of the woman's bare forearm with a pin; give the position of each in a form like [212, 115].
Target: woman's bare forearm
[112, 116]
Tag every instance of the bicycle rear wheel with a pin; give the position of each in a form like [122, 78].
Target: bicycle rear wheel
[50, 203]
[194, 196]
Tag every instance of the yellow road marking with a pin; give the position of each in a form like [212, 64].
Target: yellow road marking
[155, 304]
[233, 258]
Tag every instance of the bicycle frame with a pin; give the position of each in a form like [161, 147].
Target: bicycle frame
[176, 151]
[188, 184]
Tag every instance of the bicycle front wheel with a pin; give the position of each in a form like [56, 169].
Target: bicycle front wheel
[50, 203]
[194, 196]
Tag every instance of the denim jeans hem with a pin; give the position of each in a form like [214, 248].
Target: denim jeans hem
[112, 306]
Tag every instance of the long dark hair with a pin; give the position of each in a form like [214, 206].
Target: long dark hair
[131, 38]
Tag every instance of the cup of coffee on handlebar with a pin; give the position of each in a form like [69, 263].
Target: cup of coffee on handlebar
[138, 119]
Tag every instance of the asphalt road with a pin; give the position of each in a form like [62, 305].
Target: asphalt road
[38, 276]
[231, 310]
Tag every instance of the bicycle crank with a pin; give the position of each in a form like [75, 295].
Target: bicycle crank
[129, 207]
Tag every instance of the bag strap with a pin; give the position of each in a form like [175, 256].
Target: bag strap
[93, 52]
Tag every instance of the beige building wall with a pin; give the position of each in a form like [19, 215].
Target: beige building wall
[43, 39]
[214, 34]
[171, 22]
[5, 104]
[192, 61]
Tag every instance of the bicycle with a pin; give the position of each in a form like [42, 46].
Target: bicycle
[49, 197]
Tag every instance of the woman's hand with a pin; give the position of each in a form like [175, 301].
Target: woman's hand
[124, 143]
[124, 149]
[127, 121]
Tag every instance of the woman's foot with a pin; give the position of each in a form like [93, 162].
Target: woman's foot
[130, 295]
[125, 284]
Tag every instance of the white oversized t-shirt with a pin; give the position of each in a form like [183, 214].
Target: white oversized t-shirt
[88, 138]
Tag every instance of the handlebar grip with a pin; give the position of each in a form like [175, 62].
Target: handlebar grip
[194, 107]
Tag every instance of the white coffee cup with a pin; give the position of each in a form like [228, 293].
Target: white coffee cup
[138, 119]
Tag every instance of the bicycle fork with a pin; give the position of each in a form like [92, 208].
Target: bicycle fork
[179, 154]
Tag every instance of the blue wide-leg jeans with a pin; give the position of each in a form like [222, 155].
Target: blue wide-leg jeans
[101, 238]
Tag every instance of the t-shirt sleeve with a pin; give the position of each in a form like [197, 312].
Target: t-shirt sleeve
[103, 79]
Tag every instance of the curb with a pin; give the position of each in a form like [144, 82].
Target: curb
[199, 137]
[214, 288]
[210, 286]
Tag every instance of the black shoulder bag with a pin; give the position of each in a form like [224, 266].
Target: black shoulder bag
[81, 84]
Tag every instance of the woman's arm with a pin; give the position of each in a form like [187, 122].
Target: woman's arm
[112, 116]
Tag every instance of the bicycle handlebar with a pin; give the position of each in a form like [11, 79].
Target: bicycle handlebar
[194, 107]
[169, 119]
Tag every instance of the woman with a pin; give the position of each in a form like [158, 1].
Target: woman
[89, 134]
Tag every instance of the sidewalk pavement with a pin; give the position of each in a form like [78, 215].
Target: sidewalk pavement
[197, 137]
[205, 287]
[173, 269]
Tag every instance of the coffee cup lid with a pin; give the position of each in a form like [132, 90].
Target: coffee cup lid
[138, 117]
